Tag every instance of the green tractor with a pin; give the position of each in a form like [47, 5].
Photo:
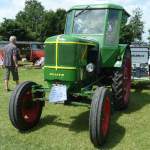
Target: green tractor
[87, 62]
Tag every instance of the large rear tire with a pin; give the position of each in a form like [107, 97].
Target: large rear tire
[100, 114]
[122, 83]
[24, 113]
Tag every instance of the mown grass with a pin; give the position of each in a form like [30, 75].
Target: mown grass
[66, 127]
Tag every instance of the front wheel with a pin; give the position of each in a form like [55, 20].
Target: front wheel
[100, 114]
[24, 113]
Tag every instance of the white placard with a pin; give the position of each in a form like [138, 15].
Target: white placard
[139, 55]
[58, 93]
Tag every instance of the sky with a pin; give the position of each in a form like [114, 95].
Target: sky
[9, 8]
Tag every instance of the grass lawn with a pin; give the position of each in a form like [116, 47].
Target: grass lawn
[66, 127]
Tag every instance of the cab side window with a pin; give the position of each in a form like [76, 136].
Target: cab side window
[68, 22]
[112, 27]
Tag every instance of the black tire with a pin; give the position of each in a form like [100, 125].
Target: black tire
[23, 112]
[69, 100]
[122, 83]
[100, 114]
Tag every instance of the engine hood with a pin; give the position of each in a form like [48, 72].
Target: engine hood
[71, 39]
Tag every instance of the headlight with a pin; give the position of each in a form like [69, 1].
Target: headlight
[90, 67]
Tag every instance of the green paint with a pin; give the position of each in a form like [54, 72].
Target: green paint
[71, 48]
[60, 74]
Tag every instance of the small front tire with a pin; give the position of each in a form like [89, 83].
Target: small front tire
[100, 114]
[24, 113]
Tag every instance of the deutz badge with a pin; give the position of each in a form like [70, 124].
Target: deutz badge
[58, 93]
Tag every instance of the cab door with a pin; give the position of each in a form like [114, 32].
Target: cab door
[111, 40]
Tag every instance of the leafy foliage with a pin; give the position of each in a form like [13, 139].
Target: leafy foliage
[134, 29]
[12, 27]
[34, 23]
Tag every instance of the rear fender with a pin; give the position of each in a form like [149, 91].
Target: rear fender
[122, 49]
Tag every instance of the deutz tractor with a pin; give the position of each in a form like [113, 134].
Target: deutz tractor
[86, 62]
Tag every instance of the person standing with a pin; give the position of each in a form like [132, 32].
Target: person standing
[10, 62]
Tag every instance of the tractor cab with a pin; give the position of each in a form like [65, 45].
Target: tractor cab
[97, 22]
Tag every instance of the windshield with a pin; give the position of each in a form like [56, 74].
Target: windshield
[89, 21]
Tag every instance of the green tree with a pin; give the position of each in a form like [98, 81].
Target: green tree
[32, 17]
[47, 28]
[39, 22]
[59, 21]
[53, 24]
[137, 24]
[134, 29]
[126, 34]
[11, 27]
[34, 23]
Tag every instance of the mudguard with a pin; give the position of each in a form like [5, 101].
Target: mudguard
[122, 49]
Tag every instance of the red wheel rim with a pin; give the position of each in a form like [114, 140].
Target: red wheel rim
[30, 109]
[105, 116]
[127, 79]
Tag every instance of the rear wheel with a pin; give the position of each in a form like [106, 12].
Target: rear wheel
[100, 114]
[122, 83]
[24, 113]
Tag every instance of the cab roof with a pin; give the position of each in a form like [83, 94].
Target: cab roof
[99, 6]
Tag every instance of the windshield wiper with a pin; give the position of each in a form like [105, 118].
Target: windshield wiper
[82, 11]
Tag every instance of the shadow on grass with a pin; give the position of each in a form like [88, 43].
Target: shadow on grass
[116, 134]
[139, 86]
[80, 123]
[137, 101]
[46, 120]
[78, 104]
